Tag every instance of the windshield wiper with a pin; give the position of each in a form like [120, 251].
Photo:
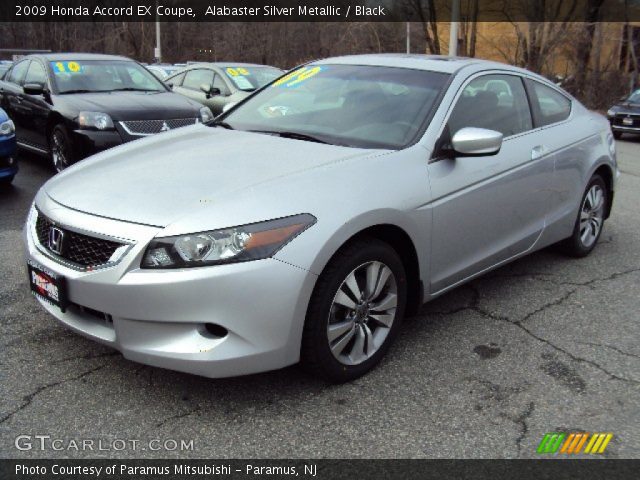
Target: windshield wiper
[133, 89]
[223, 124]
[293, 135]
[81, 90]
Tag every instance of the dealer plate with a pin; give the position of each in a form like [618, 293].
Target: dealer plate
[47, 285]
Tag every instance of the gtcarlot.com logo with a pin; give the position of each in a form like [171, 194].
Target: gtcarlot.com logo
[573, 443]
[47, 442]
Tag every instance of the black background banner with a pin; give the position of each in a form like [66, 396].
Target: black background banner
[553, 469]
[318, 10]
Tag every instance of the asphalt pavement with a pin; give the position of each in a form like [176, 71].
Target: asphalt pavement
[545, 344]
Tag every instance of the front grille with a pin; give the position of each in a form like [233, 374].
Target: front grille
[150, 127]
[82, 250]
[618, 120]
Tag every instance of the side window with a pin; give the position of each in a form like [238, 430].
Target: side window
[177, 80]
[494, 102]
[36, 74]
[194, 78]
[18, 72]
[550, 106]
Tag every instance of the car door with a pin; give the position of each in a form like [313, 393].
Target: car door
[36, 107]
[12, 100]
[488, 209]
[191, 83]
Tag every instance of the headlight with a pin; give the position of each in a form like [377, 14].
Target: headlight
[98, 120]
[7, 128]
[611, 112]
[229, 245]
[205, 114]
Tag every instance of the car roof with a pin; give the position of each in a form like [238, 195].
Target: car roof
[52, 57]
[434, 63]
[228, 64]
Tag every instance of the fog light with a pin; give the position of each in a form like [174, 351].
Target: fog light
[215, 330]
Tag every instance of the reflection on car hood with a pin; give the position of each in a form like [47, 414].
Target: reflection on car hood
[163, 178]
[627, 107]
[131, 105]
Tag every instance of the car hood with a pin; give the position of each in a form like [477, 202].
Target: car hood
[132, 105]
[627, 107]
[161, 179]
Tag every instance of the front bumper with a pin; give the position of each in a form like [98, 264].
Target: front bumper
[623, 129]
[158, 317]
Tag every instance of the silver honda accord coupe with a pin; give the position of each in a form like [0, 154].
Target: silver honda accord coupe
[304, 223]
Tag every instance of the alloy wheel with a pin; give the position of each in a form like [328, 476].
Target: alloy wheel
[362, 313]
[592, 215]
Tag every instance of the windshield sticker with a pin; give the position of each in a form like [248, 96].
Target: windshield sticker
[242, 83]
[67, 67]
[297, 77]
[235, 71]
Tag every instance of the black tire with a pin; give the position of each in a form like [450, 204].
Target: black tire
[617, 135]
[574, 246]
[6, 181]
[61, 151]
[316, 355]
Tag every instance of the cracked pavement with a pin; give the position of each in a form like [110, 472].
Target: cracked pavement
[547, 343]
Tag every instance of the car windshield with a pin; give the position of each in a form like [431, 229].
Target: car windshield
[103, 76]
[350, 105]
[634, 97]
[249, 78]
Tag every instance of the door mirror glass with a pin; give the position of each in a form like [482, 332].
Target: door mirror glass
[33, 89]
[472, 142]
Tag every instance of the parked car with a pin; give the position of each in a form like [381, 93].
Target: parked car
[69, 106]
[307, 221]
[218, 84]
[625, 116]
[8, 160]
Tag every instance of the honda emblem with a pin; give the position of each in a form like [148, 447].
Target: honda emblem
[55, 240]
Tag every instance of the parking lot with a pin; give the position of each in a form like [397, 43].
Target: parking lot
[544, 344]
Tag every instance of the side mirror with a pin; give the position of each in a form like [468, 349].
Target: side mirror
[169, 84]
[33, 89]
[209, 90]
[476, 142]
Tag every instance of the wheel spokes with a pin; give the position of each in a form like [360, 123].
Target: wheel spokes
[341, 344]
[338, 329]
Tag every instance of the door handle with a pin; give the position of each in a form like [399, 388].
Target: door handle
[538, 152]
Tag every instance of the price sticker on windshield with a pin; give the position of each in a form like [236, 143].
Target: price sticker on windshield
[234, 72]
[66, 67]
[298, 76]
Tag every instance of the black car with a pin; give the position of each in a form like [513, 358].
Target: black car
[625, 116]
[69, 106]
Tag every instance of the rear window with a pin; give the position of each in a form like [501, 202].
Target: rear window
[550, 105]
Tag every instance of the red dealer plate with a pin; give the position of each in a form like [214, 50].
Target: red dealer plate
[47, 285]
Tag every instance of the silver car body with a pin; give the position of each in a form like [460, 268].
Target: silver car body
[457, 220]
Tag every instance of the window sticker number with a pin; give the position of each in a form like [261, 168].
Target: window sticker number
[234, 72]
[298, 76]
[66, 67]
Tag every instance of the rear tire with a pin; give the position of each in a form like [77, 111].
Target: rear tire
[355, 311]
[590, 221]
[61, 149]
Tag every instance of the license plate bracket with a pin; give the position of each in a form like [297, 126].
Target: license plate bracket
[47, 285]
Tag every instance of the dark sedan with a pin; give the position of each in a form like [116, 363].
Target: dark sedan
[625, 116]
[69, 106]
[219, 84]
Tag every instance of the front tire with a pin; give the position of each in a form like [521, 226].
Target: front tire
[590, 221]
[61, 149]
[6, 181]
[355, 311]
[617, 135]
